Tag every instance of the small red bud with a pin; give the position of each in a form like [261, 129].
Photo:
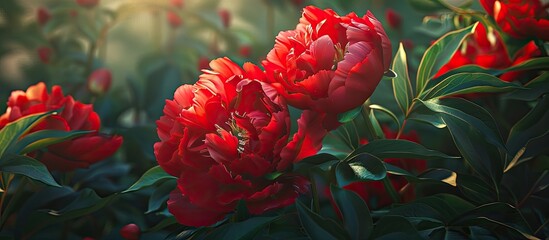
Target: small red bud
[245, 51]
[177, 3]
[87, 3]
[88, 238]
[130, 232]
[225, 16]
[44, 54]
[43, 16]
[408, 44]
[173, 19]
[99, 81]
[393, 18]
[297, 3]
[203, 63]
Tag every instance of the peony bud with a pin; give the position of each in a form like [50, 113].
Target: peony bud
[130, 232]
[43, 16]
[393, 18]
[245, 51]
[99, 81]
[177, 3]
[44, 53]
[173, 19]
[225, 16]
[87, 3]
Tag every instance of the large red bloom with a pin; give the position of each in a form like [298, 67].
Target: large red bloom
[329, 63]
[374, 193]
[486, 49]
[520, 18]
[79, 152]
[223, 137]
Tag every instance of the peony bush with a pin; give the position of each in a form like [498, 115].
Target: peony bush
[372, 120]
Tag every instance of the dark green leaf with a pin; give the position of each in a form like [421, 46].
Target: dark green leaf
[534, 89]
[241, 230]
[475, 189]
[349, 115]
[356, 214]
[362, 167]
[402, 88]
[152, 176]
[28, 167]
[394, 227]
[530, 127]
[14, 130]
[160, 195]
[387, 111]
[41, 139]
[169, 221]
[398, 148]
[439, 53]
[318, 227]
[471, 114]
[531, 64]
[463, 83]
[445, 207]
[321, 160]
[500, 218]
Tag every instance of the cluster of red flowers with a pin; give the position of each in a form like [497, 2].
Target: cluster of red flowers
[79, 152]
[227, 137]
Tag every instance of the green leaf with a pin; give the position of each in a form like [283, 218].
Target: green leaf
[463, 83]
[540, 63]
[14, 130]
[349, 115]
[85, 203]
[149, 178]
[169, 221]
[475, 189]
[402, 88]
[356, 214]
[534, 89]
[443, 207]
[322, 160]
[241, 230]
[398, 148]
[41, 139]
[474, 115]
[528, 129]
[362, 167]
[394, 227]
[387, 111]
[439, 54]
[500, 218]
[28, 167]
[318, 227]
[160, 195]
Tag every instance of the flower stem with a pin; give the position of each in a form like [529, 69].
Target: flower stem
[5, 187]
[391, 189]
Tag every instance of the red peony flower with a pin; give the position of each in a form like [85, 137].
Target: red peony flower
[393, 18]
[520, 19]
[486, 49]
[87, 3]
[223, 136]
[130, 232]
[79, 152]
[225, 16]
[374, 193]
[173, 19]
[99, 81]
[44, 54]
[42, 16]
[329, 63]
